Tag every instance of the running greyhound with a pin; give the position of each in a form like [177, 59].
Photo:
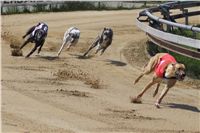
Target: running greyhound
[166, 69]
[102, 41]
[71, 38]
[37, 35]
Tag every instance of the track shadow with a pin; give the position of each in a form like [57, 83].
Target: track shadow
[183, 106]
[78, 56]
[115, 62]
[49, 57]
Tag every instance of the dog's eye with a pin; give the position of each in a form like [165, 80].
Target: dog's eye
[179, 69]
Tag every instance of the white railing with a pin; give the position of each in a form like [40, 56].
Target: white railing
[169, 40]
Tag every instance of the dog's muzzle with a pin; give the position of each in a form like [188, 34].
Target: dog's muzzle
[180, 75]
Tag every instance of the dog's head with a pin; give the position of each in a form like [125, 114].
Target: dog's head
[107, 34]
[176, 70]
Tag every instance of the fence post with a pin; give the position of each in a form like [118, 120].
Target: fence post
[185, 13]
[1, 3]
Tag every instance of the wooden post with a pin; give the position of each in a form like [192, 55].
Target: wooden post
[185, 12]
[1, 10]
[99, 4]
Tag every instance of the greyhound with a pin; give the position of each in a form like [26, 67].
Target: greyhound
[37, 35]
[102, 41]
[165, 68]
[71, 38]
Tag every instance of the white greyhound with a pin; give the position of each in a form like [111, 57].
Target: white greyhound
[71, 38]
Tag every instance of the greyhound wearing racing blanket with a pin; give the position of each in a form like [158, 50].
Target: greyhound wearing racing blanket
[165, 69]
[37, 35]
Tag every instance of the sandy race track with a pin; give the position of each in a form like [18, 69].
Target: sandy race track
[69, 94]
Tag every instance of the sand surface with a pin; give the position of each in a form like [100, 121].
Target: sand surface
[70, 94]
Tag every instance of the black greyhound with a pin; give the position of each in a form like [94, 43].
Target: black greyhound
[102, 42]
[38, 38]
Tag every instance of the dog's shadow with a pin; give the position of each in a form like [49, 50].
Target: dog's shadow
[79, 56]
[48, 57]
[183, 106]
[115, 62]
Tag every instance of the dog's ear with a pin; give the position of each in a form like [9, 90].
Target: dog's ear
[173, 66]
[183, 66]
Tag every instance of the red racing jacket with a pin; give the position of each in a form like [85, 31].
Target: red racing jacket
[164, 61]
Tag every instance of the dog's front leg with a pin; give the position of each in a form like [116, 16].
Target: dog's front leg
[71, 42]
[156, 90]
[98, 49]
[40, 46]
[170, 83]
[103, 50]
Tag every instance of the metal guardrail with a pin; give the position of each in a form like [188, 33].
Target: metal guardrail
[168, 40]
[187, 27]
[168, 36]
[175, 48]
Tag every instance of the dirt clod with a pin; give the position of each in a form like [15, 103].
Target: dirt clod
[16, 52]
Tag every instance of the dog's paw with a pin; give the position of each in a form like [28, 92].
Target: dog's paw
[135, 100]
[157, 105]
[23, 36]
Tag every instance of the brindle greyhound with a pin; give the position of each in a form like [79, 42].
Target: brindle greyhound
[37, 36]
[102, 42]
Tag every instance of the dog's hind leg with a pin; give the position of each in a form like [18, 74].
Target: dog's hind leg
[91, 47]
[156, 90]
[65, 41]
[138, 78]
[32, 51]
[146, 88]
[24, 44]
[146, 71]
[148, 68]
[29, 31]
[137, 99]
